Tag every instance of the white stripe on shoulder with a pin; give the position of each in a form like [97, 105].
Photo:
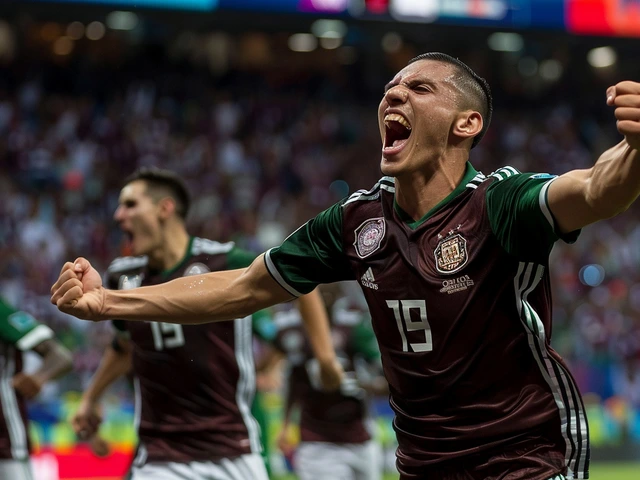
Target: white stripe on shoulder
[123, 264]
[504, 172]
[385, 183]
[544, 205]
[210, 247]
[271, 267]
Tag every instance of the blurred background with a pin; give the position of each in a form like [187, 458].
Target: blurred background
[268, 109]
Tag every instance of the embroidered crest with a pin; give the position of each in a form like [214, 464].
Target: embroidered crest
[451, 254]
[369, 235]
[196, 269]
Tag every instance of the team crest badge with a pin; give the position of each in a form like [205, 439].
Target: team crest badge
[369, 235]
[196, 269]
[451, 254]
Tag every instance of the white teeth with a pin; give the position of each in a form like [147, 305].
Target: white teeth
[394, 117]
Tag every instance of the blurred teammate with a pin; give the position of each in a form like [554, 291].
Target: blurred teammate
[194, 385]
[454, 267]
[20, 332]
[336, 441]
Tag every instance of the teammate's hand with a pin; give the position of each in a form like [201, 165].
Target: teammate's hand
[625, 96]
[26, 385]
[86, 420]
[331, 375]
[79, 290]
[99, 446]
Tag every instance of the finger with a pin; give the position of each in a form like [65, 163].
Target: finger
[62, 279]
[611, 95]
[627, 101]
[71, 297]
[64, 287]
[626, 113]
[627, 87]
[66, 266]
[629, 127]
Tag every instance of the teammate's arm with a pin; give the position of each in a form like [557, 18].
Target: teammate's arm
[116, 362]
[581, 197]
[56, 361]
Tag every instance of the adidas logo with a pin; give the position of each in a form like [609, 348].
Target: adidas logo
[368, 279]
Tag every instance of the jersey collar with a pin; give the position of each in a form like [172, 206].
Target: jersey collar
[469, 174]
[187, 256]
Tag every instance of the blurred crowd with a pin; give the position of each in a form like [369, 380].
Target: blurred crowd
[262, 154]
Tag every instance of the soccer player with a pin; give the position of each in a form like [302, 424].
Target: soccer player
[20, 332]
[336, 441]
[454, 268]
[194, 385]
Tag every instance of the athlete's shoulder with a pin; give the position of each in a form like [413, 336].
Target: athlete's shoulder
[204, 246]
[121, 265]
[505, 172]
[385, 184]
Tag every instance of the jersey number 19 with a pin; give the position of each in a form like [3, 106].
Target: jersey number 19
[402, 312]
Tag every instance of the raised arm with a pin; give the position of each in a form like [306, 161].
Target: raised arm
[195, 299]
[581, 197]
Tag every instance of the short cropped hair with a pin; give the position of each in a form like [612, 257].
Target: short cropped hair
[472, 85]
[164, 183]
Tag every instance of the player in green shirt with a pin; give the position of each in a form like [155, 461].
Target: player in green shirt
[454, 267]
[20, 332]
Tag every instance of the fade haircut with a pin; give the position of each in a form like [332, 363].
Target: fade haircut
[162, 183]
[473, 86]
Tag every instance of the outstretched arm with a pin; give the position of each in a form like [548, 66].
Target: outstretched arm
[581, 197]
[195, 299]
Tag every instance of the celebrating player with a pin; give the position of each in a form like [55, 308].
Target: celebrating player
[194, 385]
[336, 440]
[454, 268]
[20, 332]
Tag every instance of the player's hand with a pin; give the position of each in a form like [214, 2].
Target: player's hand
[625, 96]
[331, 375]
[79, 290]
[86, 421]
[99, 446]
[26, 385]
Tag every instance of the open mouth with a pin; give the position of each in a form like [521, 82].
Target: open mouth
[397, 131]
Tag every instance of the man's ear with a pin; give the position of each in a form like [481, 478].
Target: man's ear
[166, 207]
[468, 124]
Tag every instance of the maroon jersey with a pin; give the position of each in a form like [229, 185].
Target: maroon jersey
[336, 417]
[461, 307]
[194, 383]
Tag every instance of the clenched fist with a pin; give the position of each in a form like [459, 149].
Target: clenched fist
[79, 291]
[625, 96]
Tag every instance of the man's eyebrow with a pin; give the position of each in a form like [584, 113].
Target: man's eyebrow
[391, 84]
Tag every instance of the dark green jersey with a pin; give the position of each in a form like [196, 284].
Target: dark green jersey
[194, 383]
[461, 305]
[19, 332]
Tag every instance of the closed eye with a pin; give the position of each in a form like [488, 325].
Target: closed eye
[421, 88]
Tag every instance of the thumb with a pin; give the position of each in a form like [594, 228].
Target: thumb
[611, 95]
[81, 265]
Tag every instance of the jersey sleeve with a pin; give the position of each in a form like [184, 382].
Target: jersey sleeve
[520, 217]
[311, 255]
[239, 258]
[364, 342]
[263, 326]
[21, 329]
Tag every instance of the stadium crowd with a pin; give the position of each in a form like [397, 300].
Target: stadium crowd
[261, 155]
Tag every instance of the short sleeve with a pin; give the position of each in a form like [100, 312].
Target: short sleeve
[263, 326]
[311, 255]
[520, 217]
[21, 329]
[365, 343]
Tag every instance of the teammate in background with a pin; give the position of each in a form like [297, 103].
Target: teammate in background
[454, 267]
[193, 385]
[20, 332]
[336, 441]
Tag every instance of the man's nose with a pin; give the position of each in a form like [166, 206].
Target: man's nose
[397, 95]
